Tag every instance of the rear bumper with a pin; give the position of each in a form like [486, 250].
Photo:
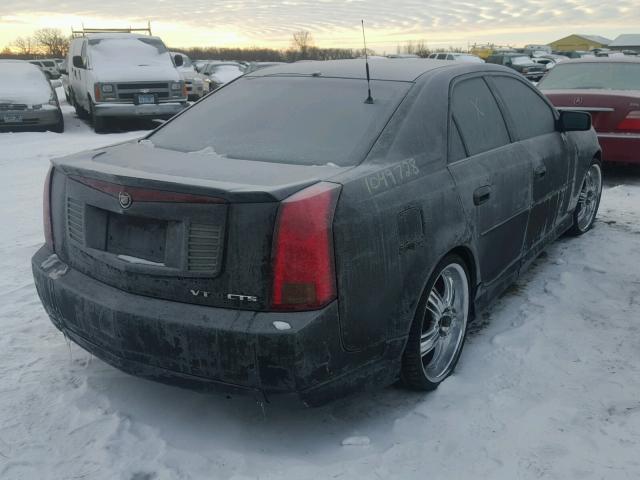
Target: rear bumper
[208, 348]
[166, 110]
[620, 147]
[46, 117]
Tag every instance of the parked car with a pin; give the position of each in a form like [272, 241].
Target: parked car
[217, 74]
[548, 60]
[520, 63]
[575, 54]
[460, 57]
[27, 99]
[532, 50]
[63, 68]
[286, 234]
[123, 75]
[49, 68]
[609, 89]
[193, 81]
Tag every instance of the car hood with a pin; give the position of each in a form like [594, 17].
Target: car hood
[135, 73]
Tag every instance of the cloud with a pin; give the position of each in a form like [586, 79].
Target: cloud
[336, 22]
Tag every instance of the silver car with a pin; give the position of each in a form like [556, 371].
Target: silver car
[27, 99]
[48, 66]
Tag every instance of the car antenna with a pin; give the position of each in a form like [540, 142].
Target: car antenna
[366, 62]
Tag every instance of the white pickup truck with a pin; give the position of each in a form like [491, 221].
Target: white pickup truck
[123, 75]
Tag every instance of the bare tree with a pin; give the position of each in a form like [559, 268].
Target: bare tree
[25, 45]
[52, 42]
[303, 42]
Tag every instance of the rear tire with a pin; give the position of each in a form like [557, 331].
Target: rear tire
[59, 127]
[439, 328]
[80, 112]
[584, 215]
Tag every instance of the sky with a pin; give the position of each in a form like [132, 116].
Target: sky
[332, 23]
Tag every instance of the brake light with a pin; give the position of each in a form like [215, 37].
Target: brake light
[46, 211]
[303, 261]
[96, 92]
[631, 122]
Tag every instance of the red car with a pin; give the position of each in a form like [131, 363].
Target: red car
[607, 88]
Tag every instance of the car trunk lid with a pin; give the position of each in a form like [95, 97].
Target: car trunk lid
[184, 227]
[608, 108]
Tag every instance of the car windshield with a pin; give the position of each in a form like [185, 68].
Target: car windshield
[596, 75]
[140, 52]
[520, 60]
[48, 64]
[296, 120]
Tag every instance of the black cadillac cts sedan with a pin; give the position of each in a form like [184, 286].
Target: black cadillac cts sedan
[286, 235]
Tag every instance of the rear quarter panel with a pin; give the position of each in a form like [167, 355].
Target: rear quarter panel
[398, 214]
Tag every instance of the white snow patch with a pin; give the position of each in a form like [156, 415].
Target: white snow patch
[356, 441]
[140, 261]
[281, 325]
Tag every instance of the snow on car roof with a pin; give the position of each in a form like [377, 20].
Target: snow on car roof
[23, 82]
[401, 69]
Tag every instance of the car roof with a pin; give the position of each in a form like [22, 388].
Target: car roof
[619, 59]
[401, 70]
[102, 36]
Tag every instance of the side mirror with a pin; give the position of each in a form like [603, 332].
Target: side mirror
[78, 62]
[571, 121]
[178, 60]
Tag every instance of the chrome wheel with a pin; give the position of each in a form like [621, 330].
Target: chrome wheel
[445, 322]
[589, 197]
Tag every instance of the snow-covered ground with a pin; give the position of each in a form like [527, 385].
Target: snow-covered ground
[548, 385]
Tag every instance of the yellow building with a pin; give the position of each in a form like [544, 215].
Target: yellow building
[579, 42]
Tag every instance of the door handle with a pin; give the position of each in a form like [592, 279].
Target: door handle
[540, 171]
[481, 195]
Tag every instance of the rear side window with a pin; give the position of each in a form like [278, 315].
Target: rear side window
[478, 117]
[456, 147]
[530, 114]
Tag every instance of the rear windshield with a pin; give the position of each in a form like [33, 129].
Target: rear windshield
[296, 120]
[597, 75]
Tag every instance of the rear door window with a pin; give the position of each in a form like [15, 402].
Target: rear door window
[456, 147]
[530, 115]
[478, 117]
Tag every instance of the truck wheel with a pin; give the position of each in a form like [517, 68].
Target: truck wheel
[59, 127]
[80, 112]
[439, 328]
[99, 123]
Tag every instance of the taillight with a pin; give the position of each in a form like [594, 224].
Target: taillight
[303, 262]
[96, 92]
[631, 122]
[46, 211]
